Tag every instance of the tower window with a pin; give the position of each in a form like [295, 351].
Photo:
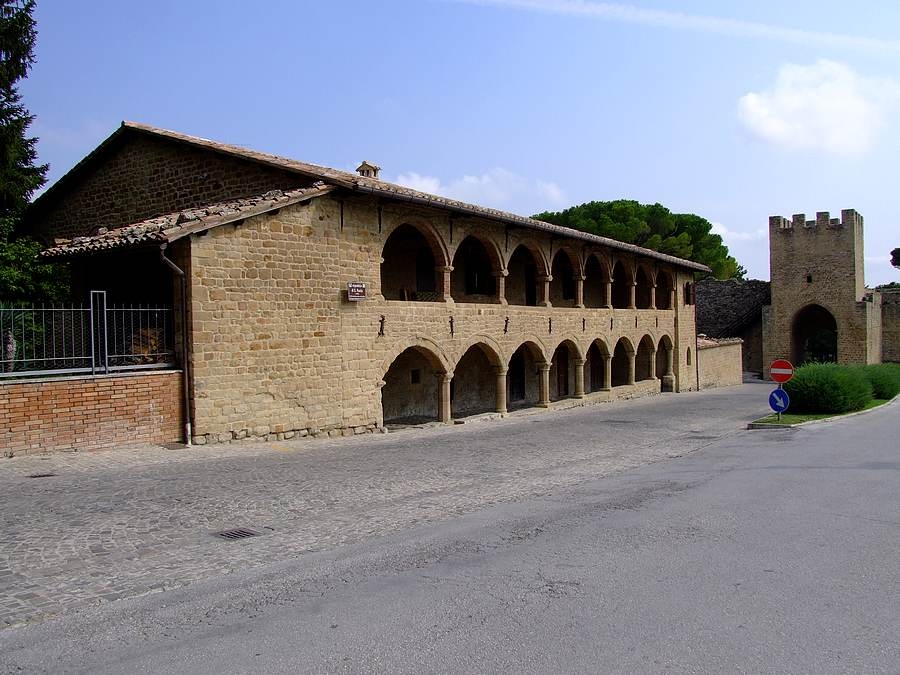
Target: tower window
[809, 278]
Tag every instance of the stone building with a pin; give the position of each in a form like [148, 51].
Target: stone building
[816, 306]
[316, 301]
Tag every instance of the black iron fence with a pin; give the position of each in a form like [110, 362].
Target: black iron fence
[94, 339]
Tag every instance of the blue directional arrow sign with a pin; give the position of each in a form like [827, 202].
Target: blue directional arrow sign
[779, 400]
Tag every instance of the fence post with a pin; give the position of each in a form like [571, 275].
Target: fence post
[99, 344]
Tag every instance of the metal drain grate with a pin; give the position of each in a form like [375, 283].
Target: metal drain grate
[41, 475]
[237, 533]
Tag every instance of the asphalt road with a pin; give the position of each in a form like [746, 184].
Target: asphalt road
[765, 551]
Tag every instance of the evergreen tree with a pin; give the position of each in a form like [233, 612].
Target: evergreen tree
[652, 226]
[22, 276]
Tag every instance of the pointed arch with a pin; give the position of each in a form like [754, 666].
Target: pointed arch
[410, 389]
[643, 294]
[645, 359]
[563, 270]
[526, 266]
[665, 289]
[412, 262]
[596, 277]
[814, 335]
[476, 265]
[622, 281]
[622, 366]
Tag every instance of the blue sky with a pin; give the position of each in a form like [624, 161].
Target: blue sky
[733, 111]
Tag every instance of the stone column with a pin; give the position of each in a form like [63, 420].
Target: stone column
[631, 297]
[544, 401]
[653, 364]
[445, 283]
[607, 293]
[579, 292]
[579, 378]
[501, 389]
[545, 291]
[501, 286]
[653, 297]
[668, 381]
[607, 372]
[444, 413]
[631, 360]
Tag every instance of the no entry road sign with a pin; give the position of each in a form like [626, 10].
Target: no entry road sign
[781, 370]
[779, 400]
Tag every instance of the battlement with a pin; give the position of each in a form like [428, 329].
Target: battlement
[849, 219]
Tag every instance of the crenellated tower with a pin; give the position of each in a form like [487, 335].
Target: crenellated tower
[820, 307]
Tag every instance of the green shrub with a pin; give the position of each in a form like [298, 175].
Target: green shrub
[884, 378]
[828, 388]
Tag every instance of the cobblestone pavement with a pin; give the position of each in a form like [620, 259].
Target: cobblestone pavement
[111, 524]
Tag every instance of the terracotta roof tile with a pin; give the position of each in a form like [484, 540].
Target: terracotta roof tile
[173, 226]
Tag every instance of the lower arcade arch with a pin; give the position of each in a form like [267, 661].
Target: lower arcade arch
[563, 365]
[411, 390]
[523, 376]
[622, 366]
[665, 363]
[473, 389]
[596, 367]
[645, 360]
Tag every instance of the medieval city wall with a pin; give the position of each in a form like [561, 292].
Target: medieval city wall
[720, 363]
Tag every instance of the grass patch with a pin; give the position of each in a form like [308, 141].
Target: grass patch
[797, 418]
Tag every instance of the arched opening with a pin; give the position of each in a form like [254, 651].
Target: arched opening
[642, 292]
[621, 286]
[665, 366]
[562, 288]
[409, 269]
[474, 384]
[410, 391]
[473, 278]
[621, 363]
[814, 336]
[521, 283]
[645, 359]
[595, 367]
[523, 376]
[688, 356]
[664, 286]
[562, 371]
[594, 283]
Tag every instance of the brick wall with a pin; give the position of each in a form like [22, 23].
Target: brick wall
[87, 413]
[720, 363]
[145, 177]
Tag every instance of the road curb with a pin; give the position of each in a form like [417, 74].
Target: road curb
[769, 425]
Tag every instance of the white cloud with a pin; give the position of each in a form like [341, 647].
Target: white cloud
[624, 13]
[498, 188]
[731, 236]
[824, 106]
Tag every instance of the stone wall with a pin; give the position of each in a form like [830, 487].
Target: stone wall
[720, 363]
[87, 413]
[142, 177]
[890, 326]
[278, 350]
[818, 262]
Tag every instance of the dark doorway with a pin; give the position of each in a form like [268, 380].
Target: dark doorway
[517, 376]
[814, 336]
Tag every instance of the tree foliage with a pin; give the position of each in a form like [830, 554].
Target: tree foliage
[895, 258]
[22, 275]
[652, 226]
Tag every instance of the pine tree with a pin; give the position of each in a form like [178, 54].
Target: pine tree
[22, 276]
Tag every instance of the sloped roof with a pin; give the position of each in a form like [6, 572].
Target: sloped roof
[355, 183]
[173, 226]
